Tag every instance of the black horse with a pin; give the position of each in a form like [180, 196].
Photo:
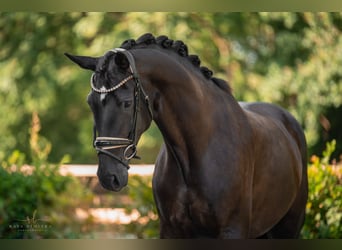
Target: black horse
[226, 170]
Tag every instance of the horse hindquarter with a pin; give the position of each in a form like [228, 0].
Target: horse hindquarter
[277, 173]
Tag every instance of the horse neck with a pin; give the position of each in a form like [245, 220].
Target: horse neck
[191, 110]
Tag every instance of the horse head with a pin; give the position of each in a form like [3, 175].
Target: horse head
[121, 113]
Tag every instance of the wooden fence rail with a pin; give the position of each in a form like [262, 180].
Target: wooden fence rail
[87, 170]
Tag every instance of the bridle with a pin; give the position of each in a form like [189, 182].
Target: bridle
[103, 144]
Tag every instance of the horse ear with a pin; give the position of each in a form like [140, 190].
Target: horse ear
[85, 62]
[121, 60]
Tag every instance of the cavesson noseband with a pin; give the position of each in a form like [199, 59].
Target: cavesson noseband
[103, 144]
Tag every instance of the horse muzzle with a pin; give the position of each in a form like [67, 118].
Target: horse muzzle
[113, 177]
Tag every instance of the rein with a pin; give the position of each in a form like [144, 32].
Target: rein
[104, 144]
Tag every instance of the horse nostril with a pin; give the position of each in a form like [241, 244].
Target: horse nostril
[116, 183]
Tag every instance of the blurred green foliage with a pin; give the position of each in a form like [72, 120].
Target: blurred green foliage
[290, 59]
[140, 191]
[36, 201]
[324, 208]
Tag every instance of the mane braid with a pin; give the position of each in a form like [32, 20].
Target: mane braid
[181, 49]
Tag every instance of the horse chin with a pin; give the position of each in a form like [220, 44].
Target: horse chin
[113, 180]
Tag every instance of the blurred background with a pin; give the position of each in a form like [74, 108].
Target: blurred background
[290, 59]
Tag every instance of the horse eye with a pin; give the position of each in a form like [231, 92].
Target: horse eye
[127, 104]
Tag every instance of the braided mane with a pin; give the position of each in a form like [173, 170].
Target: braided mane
[181, 49]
